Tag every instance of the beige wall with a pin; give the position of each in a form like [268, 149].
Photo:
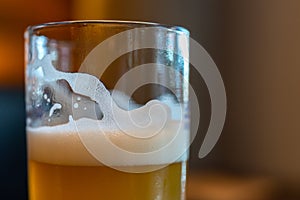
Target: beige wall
[263, 132]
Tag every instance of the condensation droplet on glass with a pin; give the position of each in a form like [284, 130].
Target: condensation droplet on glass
[75, 105]
[78, 98]
[45, 96]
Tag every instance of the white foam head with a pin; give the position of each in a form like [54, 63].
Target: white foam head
[62, 144]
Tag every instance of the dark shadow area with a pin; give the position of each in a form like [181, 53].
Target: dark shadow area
[13, 182]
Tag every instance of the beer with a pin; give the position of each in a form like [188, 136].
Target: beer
[59, 182]
[61, 168]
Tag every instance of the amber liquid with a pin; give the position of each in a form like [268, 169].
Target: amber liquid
[57, 182]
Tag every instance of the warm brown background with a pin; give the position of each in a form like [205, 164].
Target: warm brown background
[15, 16]
[256, 45]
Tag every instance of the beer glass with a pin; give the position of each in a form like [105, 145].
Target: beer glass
[107, 110]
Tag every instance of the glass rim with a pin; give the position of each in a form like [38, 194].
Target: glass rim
[134, 24]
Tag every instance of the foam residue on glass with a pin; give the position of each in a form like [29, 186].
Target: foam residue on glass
[63, 104]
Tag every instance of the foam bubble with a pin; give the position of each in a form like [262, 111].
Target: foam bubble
[75, 105]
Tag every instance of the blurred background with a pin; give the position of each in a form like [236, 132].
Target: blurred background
[255, 44]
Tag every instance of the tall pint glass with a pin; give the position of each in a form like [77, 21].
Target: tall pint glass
[107, 110]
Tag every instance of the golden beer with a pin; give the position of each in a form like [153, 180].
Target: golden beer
[58, 182]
